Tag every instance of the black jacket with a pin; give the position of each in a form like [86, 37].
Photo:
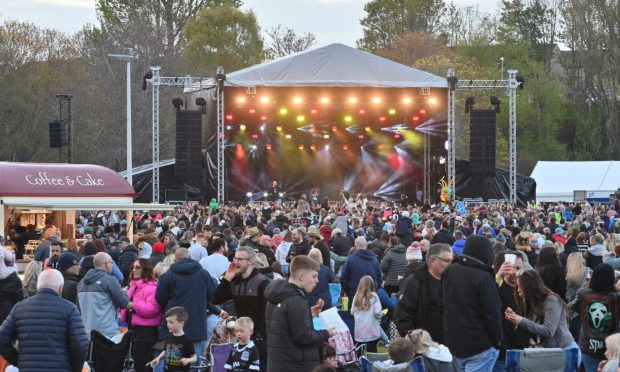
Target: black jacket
[248, 294]
[69, 289]
[412, 309]
[472, 308]
[291, 340]
[322, 246]
[298, 249]
[10, 293]
[50, 332]
[341, 245]
[125, 260]
[443, 236]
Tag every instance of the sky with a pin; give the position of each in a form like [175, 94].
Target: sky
[332, 21]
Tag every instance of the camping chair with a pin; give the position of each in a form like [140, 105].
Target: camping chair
[542, 359]
[349, 320]
[106, 356]
[417, 365]
[219, 354]
[334, 292]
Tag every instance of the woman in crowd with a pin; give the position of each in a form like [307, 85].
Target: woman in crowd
[31, 275]
[598, 309]
[393, 265]
[551, 272]
[321, 290]
[612, 344]
[143, 313]
[437, 358]
[577, 276]
[366, 311]
[523, 245]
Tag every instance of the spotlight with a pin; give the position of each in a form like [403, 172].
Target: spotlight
[301, 146]
[177, 103]
[297, 100]
[469, 103]
[407, 100]
[442, 160]
[252, 111]
[314, 111]
[253, 147]
[265, 194]
[288, 136]
[279, 128]
[432, 101]
[264, 99]
[334, 128]
[352, 100]
[300, 118]
[360, 136]
[382, 118]
[367, 129]
[202, 103]
[263, 118]
[396, 136]
[496, 102]
[241, 99]
[446, 145]
[422, 112]
[345, 147]
[242, 127]
[281, 194]
[254, 136]
[249, 194]
[228, 127]
[268, 146]
[313, 147]
[324, 100]
[326, 136]
[392, 112]
[283, 111]
[326, 147]
[521, 82]
[362, 112]
[416, 118]
[229, 117]
[263, 127]
[376, 100]
[348, 118]
[147, 76]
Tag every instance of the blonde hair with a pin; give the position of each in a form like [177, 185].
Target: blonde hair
[365, 293]
[613, 346]
[261, 260]
[523, 242]
[316, 255]
[245, 323]
[421, 341]
[162, 267]
[32, 271]
[575, 269]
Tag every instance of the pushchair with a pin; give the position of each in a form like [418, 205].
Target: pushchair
[106, 356]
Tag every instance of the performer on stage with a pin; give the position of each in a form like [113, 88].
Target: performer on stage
[275, 193]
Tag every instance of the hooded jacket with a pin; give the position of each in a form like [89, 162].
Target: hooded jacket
[127, 257]
[439, 359]
[291, 339]
[10, 293]
[99, 295]
[394, 263]
[458, 246]
[361, 262]
[187, 284]
[69, 289]
[146, 311]
[472, 307]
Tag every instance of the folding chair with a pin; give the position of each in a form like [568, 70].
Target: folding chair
[349, 320]
[106, 356]
[219, 355]
[539, 359]
[417, 365]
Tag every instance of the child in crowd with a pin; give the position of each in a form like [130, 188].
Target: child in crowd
[612, 344]
[437, 358]
[244, 355]
[401, 354]
[179, 350]
[366, 311]
[328, 357]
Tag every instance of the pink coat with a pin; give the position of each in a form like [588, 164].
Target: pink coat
[146, 310]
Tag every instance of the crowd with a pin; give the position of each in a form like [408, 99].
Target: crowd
[454, 284]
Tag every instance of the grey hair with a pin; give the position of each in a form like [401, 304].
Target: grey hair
[51, 279]
[436, 250]
[249, 251]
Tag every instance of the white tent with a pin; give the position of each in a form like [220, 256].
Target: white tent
[557, 180]
[334, 65]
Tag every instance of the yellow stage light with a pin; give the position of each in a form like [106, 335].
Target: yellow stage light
[432, 101]
[392, 112]
[348, 118]
[264, 99]
[283, 111]
[352, 100]
[300, 118]
[376, 100]
[297, 100]
[407, 100]
[324, 100]
[241, 99]
[242, 127]
[288, 136]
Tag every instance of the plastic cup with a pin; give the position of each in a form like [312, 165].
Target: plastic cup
[511, 258]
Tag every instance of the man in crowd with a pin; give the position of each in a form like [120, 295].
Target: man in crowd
[292, 341]
[197, 250]
[419, 304]
[69, 267]
[128, 255]
[36, 322]
[299, 246]
[361, 262]
[217, 262]
[472, 307]
[99, 297]
[243, 284]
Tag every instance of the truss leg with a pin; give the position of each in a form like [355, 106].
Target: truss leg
[155, 114]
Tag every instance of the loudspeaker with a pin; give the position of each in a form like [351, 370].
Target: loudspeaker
[482, 142]
[58, 134]
[188, 153]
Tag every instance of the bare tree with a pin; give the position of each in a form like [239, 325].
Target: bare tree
[283, 42]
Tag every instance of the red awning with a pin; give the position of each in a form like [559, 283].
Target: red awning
[49, 179]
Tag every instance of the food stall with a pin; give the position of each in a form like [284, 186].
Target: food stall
[33, 193]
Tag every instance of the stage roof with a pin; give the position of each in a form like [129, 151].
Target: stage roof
[556, 180]
[334, 65]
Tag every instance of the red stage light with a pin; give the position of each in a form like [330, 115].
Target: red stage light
[360, 136]
[362, 112]
[229, 117]
[268, 146]
[314, 111]
[416, 118]
[397, 136]
[301, 146]
[263, 118]
[422, 112]
[252, 111]
[313, 147]
[345, 147]
[382, 118]
[312, 129]
[255, 136]
[334, 128]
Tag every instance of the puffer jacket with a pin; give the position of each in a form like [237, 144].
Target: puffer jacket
[394, 263]
[37, 322]
[291, 340]
[146, 310]
[10, 293]
[127, 257]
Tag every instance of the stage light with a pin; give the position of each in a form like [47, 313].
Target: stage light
[326, 147]
[345, 147]
[263, 118]
[283, 111]
[301, 118]
[279, 128]
[229, 117]
[288, 136]
[324, 100]
[242, 127]
[263, 127]
[407, 100]
[265, 194]
[254, 136]
[312, 129]
[268, 146]
[326, 136]
[382, 118]
[392, 112]
[314, 111]
[432, 100]
[228, 127]
[376, 100]
[362, 112]
[367, 129]
[281, 194]
[422, 112]
[297, 100]
[334, 128]
[416, 118]
[264, 99]
[301, 146]
[241, 99]
[348, 118]
[313, 147]
[397, 136]
[252, 111]
[253, 147]
[496, 102]
[442, 160]
[352, 100]
[249, 194]
[446, 145]
[360, 136]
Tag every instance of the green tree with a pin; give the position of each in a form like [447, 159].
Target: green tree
[283, 42]
[387, 19]
[223, 36]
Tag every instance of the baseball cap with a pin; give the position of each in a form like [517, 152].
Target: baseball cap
[67, 260]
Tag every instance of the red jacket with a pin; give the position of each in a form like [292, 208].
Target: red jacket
[326, 232]
[146, 310]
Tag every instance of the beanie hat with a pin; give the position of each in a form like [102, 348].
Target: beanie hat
[66, 260]
[479, 247]
[559, 231]
[414, 252]
[158, 247]
[90, 249]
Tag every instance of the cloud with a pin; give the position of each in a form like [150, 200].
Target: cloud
[88, 4]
